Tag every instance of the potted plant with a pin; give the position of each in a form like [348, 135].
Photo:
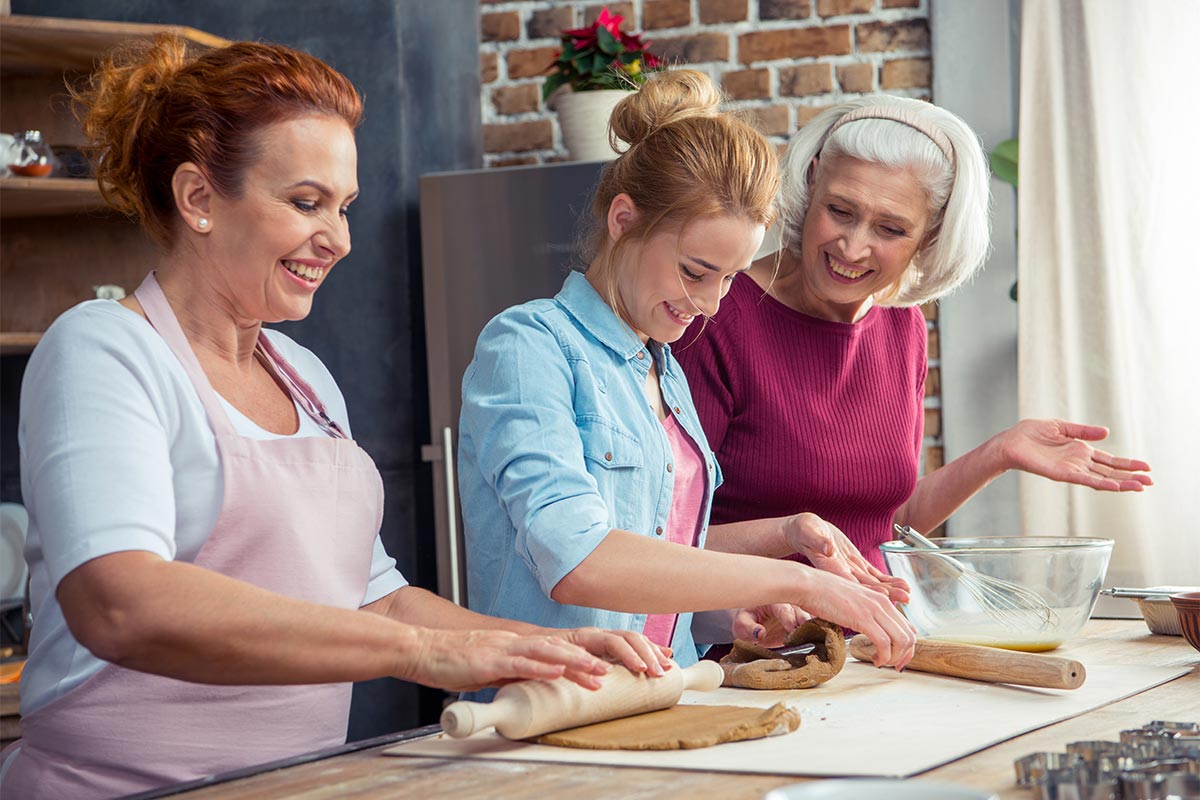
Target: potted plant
[595, 68]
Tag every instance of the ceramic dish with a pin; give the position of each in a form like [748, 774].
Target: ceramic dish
[1188, 606]
[14, 520]
[876, 789]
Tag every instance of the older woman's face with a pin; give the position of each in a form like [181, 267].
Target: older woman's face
[275, 245]
[864, 225]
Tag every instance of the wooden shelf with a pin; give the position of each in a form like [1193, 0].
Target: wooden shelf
[18, 342]
[31, 45]
[48, 197]
[10, 707]
[59, 238]
[10, 698]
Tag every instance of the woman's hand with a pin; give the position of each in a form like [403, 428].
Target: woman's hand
[1059, 450]
[467, 660]
[827, 548]
[768, 625]
[633, 650]
[841, 601]
[868, 611]
[462, 661]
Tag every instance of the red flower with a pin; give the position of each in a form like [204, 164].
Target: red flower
[608, 21]
[600, 56]
[612, 22]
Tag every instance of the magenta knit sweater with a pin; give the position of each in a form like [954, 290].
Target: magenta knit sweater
[810, 415]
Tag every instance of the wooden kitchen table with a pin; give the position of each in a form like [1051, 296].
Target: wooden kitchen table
[361, 771]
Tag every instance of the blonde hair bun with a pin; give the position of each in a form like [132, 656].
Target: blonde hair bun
[665, 97]
[685, 160]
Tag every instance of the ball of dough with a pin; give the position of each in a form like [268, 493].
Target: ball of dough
[751, 666]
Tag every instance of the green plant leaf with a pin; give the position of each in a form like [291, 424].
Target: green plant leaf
[607, 42]
[551, 83]
[1004, 161]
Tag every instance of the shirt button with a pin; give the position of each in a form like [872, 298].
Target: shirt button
[640, 355]
[658, 531]
[677, 409]
[608, 456]
[669, 468]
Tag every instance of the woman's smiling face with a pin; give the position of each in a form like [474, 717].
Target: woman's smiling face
[275, 245]
[865, 223]
[674, 276]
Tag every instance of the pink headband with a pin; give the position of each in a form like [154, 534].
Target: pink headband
[896, 114]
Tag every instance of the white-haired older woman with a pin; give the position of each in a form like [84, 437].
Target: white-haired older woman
[810, 381]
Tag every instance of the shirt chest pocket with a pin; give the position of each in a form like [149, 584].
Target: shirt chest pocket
[615, 459]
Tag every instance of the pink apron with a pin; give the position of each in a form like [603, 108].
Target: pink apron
[299, 517]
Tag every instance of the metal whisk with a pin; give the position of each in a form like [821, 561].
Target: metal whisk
[1012, 605]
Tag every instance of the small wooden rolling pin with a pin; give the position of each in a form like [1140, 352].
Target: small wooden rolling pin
[531, 708]
[990, 664]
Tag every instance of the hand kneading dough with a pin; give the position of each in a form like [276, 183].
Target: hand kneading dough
[751, 666]
[679, 728]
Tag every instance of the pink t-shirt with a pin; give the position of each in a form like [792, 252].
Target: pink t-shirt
[683, 523]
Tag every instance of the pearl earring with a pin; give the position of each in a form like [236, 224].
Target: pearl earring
[202, 222]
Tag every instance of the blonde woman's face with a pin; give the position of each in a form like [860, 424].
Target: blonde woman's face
[668, 280]
[865, 224]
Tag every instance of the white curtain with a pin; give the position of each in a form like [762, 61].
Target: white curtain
[1109, 267]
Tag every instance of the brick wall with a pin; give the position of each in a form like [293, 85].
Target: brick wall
[782, 61]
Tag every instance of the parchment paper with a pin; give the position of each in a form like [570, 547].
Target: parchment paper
[865, 722]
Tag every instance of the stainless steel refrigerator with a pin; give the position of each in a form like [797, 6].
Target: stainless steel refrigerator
[490, 239]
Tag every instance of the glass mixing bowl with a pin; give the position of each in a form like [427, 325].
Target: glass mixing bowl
[1021, 593]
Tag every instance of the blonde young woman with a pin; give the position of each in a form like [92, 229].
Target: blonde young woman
[586, 478]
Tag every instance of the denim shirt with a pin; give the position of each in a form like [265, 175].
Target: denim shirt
[557, 447]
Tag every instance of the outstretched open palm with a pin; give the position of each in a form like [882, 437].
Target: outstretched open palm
[1060, 450]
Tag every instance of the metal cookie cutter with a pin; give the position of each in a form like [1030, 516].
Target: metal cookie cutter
[1093, 750]
[1159, 761]
[1166, 726]
[1161, 781]
[1034, 767]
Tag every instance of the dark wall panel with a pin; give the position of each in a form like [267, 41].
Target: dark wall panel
[416, 63]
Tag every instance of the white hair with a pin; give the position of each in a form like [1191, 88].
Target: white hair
[959, 197]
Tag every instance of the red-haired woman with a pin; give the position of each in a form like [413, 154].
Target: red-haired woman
[199, 514]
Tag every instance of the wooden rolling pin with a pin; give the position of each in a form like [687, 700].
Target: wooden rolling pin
[990, 664]
[531, 708]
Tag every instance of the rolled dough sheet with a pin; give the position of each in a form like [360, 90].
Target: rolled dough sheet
[679, 728]
[844, 732]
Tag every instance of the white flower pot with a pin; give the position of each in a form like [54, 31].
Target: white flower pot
[583, 118]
